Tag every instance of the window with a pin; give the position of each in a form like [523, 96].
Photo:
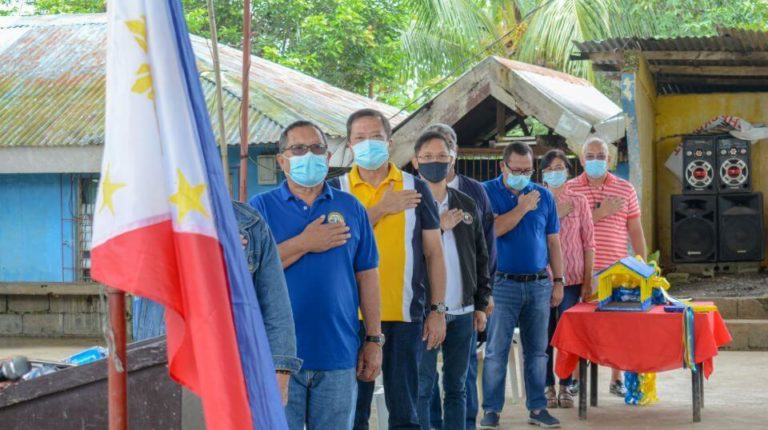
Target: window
[267, 169]
[85, 209]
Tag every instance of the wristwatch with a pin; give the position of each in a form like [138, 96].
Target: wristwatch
[378, 340]
[560, 279]
[440, 308]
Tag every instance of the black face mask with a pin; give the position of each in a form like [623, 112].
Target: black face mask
[434, 172]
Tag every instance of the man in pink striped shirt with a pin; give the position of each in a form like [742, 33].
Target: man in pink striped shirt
[615, 212]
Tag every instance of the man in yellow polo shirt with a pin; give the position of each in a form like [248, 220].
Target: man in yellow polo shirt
[406, 224]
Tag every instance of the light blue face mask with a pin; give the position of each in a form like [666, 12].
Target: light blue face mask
[555, 178]
[596, 168]
[308, 170]
[371, 154]
[518, 182]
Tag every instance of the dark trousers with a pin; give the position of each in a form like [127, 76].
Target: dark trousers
[400, 367]
[436, 408]
[571, 295]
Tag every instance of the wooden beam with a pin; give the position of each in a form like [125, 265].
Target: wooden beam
[711, 70]
[703, 80]
[524, 126]
[501, 120]
[598, 57]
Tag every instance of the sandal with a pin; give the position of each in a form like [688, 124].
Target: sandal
[564, 398]
[551, 396]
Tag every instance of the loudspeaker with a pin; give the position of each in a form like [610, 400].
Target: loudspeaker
[699, 164]
[694, 229]
[734, 167]
[740, 226]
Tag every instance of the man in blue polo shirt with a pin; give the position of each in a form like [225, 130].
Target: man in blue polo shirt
[330, 260]
[527, 240]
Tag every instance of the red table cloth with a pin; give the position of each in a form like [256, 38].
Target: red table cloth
[635, 341]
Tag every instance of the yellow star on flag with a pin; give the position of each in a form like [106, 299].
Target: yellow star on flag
[188, 197]
[108, 189]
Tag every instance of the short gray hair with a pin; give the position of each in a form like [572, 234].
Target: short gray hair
[595, 140]
[447, 131]
[296, 124]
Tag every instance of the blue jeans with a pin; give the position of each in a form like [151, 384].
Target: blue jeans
[455, 349]
[571, 295]
[400, 368]
[436, 408]
[321, 399]
[528, 304]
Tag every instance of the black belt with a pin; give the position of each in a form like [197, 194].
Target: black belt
[524, 278]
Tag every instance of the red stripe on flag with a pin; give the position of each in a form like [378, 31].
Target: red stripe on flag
[186, 273]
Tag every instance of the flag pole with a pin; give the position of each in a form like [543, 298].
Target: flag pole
[244, 107]
[219, 98]
[118, 386]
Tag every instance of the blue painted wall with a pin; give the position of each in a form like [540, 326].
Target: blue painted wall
[253, 174]
[36, 228]
[38, 220]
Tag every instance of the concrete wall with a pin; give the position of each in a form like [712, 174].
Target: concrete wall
[37, 234]
[685, 113]
[50, 316]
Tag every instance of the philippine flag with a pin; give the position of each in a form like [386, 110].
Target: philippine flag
[165, 228]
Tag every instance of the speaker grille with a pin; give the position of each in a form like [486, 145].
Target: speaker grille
[694, 229]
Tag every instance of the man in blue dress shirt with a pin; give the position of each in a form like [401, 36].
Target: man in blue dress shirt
[527, 240]
[329, 256]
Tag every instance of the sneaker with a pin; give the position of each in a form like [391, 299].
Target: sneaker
[573, 389]
[617, 388]
[490, 420]
[543, 419]
[551, 396]
[564, 398]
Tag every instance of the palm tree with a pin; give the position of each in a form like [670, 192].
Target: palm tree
[445, 35]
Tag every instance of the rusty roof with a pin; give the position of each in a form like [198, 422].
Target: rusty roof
[52, 87]
[571, 107]
[733, 60]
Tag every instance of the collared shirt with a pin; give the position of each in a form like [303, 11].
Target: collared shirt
[611, 233]
[576, 236]
[475, 189]
[402, 267]
[322, 285]
[454, 287]
[524, 249]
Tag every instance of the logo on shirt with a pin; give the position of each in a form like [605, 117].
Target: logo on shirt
[335, 218]
[468, 218]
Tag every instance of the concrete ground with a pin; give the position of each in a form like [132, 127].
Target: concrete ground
[735, 397]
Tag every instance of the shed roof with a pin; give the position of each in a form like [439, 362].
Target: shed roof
[571, 106]
[52, 87]
[734, 60]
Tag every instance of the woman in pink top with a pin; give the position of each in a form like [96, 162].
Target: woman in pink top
[578, 245]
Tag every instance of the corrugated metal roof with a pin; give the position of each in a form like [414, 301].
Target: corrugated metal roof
[727, 39]
[52, 82]
[572, 107]
[734, 60]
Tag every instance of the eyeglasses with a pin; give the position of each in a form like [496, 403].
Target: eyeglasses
[590, 157]
[301, 149]
[429, 158]
[518, 172]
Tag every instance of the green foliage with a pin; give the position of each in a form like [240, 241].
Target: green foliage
[395, 49]
[353, 44]
[675, 18]
[53, 7]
